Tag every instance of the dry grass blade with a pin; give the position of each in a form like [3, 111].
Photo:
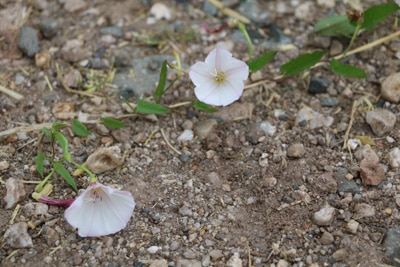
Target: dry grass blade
[11, 93]
[229, 12]
[29, 128]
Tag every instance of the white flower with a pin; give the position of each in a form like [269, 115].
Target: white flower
[219, 80]
[100, 210]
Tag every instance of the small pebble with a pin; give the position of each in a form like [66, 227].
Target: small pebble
[296, 151]
[216, 254]
[4, 165]
[366, 152]
[48, 27]
[28, 41]
[340, 254]
[203, 128]
[187, 263]
[15, 192]
[371, 171]
[394, 158]
[161, 11]
[362, 210]
[352, 226]
[381, 121]
[234, 261]
[391, 245]
[152, 249]
[74, 5]
[159, 263]
[115, 31]
[17, 235]
[186, 135]
[390, 88]
[104, 159]
[324, 216]
[329, 102]
[326, 238]
[318, 85]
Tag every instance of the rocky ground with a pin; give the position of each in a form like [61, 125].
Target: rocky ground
[299, 172]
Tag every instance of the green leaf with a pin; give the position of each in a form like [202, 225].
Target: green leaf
[147, 107]
[112, 123]
[261, 61]
[335, 26]
[79, 129]
[198, 105]
[39, 159]
[301, 63]
[61, 170]
[161, 82]
[46, 132]
[64, 145]
[347, 70]
[376, 14]
[57, 126]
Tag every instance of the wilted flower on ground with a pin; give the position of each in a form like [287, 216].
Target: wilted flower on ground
[56, 202]
[220, 79]
[100, 210]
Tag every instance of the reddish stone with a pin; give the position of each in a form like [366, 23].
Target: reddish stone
[371, 171]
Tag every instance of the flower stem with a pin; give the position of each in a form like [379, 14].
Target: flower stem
[92, 177]
[242, 28]
[40, 186]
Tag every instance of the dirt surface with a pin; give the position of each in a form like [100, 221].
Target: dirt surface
[243, 193]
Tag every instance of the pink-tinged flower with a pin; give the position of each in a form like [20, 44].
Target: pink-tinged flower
[220, 79]
[100, 210]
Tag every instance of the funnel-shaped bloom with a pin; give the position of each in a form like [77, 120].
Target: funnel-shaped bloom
[100, 210]
[219, 80]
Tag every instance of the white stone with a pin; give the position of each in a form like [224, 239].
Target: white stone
[352, 226]
[324, 216]
[394, 157]
[160, 11]
[152, 249]
[186, 135]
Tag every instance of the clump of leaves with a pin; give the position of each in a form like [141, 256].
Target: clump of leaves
[57, 140]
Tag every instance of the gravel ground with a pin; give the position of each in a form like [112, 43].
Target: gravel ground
[298, 172]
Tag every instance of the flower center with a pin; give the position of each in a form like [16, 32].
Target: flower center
[95, 196]
[219, 77]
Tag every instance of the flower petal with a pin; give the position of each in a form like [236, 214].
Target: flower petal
[100, 210]
[222, 95]
[201, 73]
[218, 57]
[236, 68]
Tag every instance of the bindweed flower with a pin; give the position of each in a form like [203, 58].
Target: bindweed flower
[100, 210]
[220, 79]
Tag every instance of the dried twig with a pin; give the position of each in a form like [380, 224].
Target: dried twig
[168, 143]
[229, 12]
[11, 93]
[29, 128]
[346, 136]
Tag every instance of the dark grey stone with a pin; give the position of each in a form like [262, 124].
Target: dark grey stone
[318, 85]
[329, 102]
[112, 30]
[28, 41]
[48, 27]
[391, 243]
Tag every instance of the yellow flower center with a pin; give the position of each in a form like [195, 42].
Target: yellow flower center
[219, 77]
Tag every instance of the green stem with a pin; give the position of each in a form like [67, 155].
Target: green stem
[353, 38]
[242, 28]
[92, 177]
[40, 186]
